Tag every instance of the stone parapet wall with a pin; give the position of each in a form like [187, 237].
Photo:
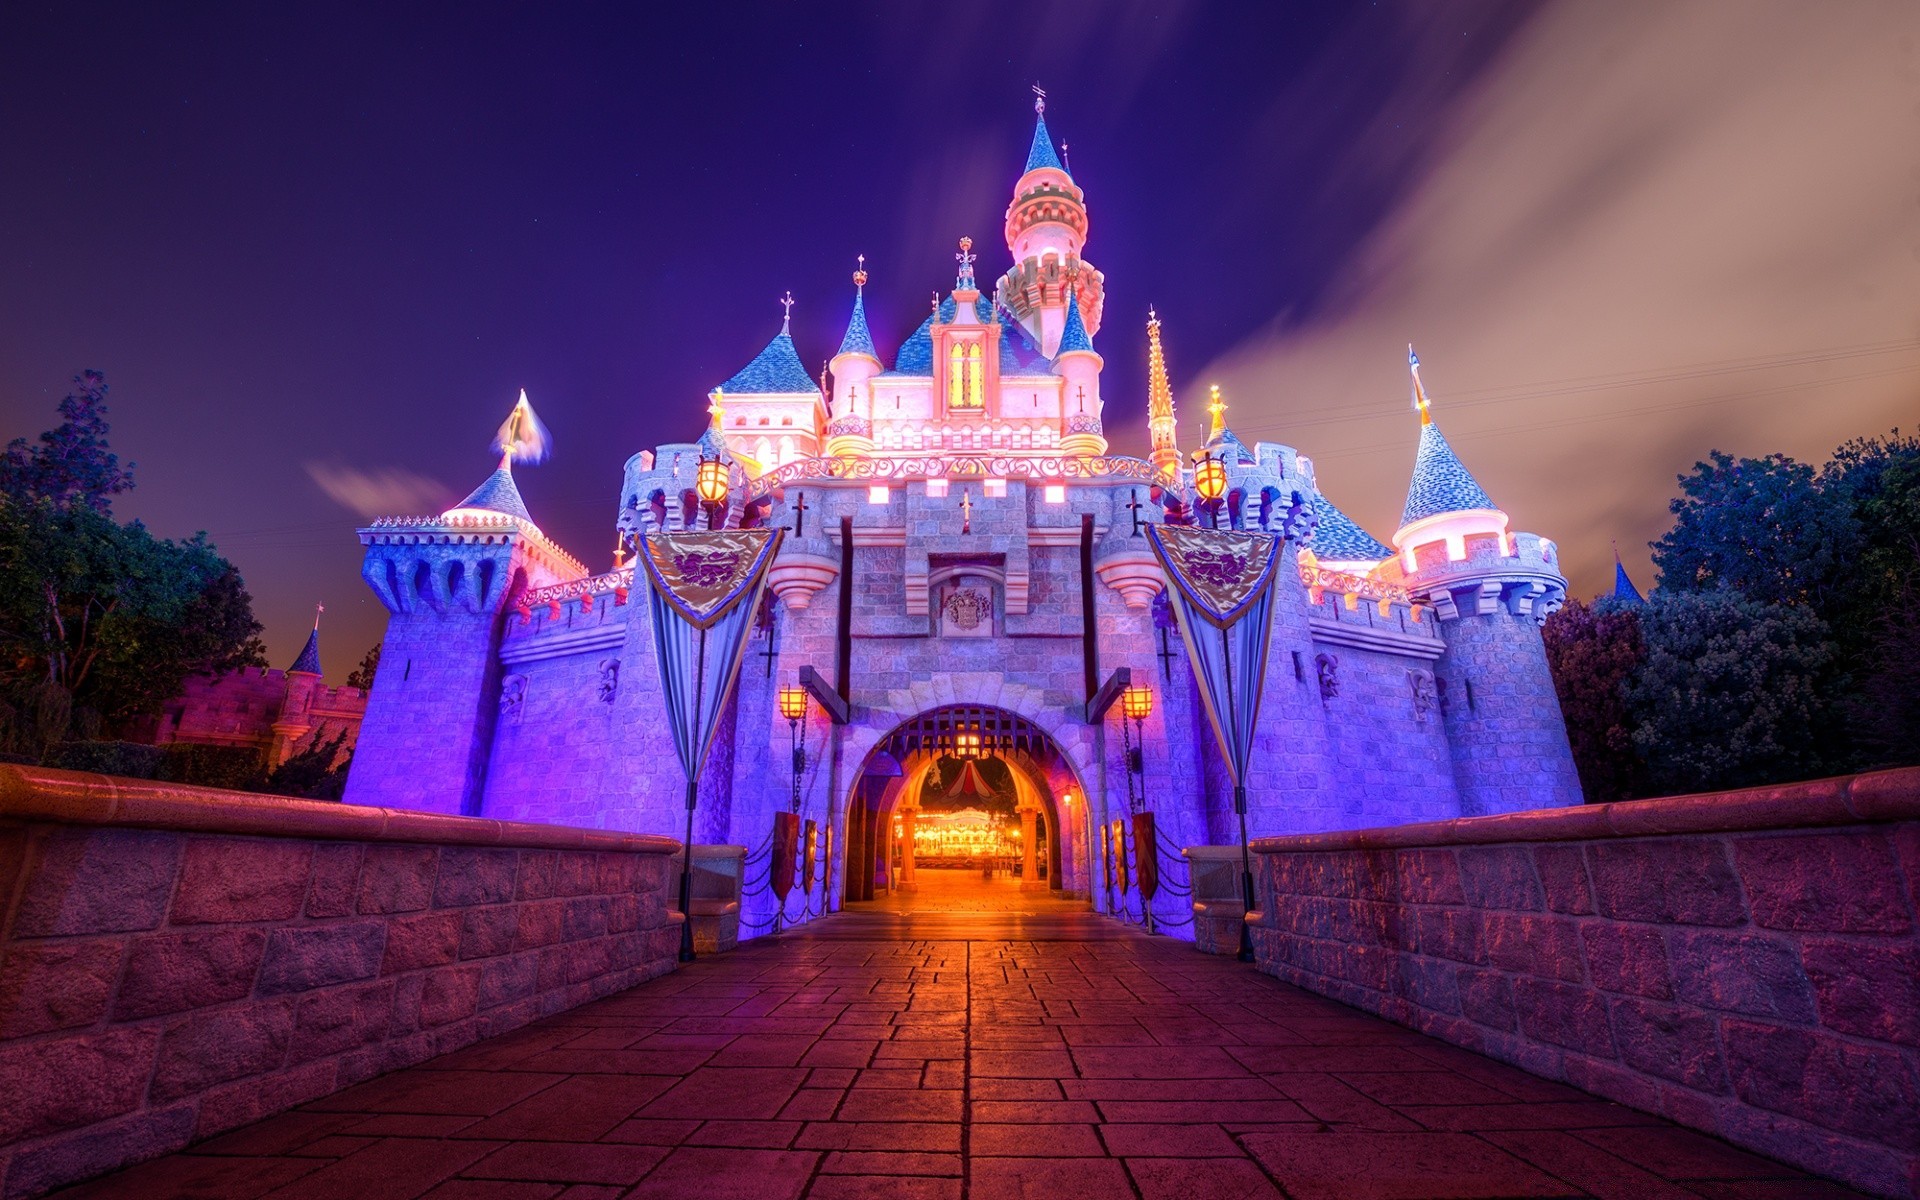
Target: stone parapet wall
[1745, 963]
[182, 961]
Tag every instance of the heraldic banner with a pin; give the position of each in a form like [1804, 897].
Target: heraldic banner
[1223, 593]
[705, 591]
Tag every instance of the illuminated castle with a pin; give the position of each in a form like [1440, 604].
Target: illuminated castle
[964, 561]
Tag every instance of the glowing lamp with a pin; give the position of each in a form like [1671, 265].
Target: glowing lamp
[710, 482]
[1137, 703]
[1210, 478]
[793, 702]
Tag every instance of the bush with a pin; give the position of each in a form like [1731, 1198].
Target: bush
[129, 759]
[237, 767]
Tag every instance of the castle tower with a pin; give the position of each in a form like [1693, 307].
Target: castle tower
[775, 411]
[1046, 231]
[1078, 365]
[1491, 590]
[1161, 424]
[966, 347]
[850, 427]
[303, 679]
[449, 583]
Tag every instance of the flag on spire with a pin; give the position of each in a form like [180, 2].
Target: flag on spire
[1420, 400]
[522, 438]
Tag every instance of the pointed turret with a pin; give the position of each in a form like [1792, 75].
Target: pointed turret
[521, 439]
[1073, 335]
[1162, 426]
[1338, 541]
[776, 370]
[780, 412]
[859, 339]
[1046, 230]
[1623, 589]
[850, 430]
[1221, 441]
[1078, 365]
[1444, 500]
[1041, 154]
[309, 661]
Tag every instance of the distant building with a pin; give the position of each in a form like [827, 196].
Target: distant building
[276, 712]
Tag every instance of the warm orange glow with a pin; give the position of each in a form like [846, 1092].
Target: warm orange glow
[793, 702]
[1137, 702]
[710, 482]
[1210, 478]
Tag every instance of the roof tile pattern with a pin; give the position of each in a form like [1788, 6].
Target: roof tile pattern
[775, 370]
[858, 339]
[1041, 154]
[1074, 335]
[1440, 484]
[309, 660]
[497, 494]
[1339, 538]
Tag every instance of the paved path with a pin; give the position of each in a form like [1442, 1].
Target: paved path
[1049, 1058]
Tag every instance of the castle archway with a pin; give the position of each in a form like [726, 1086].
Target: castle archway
[966, 808]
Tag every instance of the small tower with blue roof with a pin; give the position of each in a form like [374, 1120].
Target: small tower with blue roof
[775, 410]
[1046, 232]
[1491, 589]
[854, 365]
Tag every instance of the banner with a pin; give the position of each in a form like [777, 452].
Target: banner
[1146, 854]
[1223, 594]
[705, 591]
[786, 843]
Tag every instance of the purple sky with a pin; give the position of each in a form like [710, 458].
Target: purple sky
[317, 253]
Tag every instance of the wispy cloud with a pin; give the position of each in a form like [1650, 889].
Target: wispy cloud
[1653, 229]
[384, 492]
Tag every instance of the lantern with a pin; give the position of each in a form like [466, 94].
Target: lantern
[1137, 703]
[710, 482]
[1210, 479]
[793, 702]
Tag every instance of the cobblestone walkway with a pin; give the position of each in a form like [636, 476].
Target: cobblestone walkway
[1053, 1061]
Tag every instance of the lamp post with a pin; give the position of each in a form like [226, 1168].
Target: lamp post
[1136, 705]
[1210, 480]
[793, 706]
[710, 485]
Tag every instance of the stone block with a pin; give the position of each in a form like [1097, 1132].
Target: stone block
[57, 985]
[1827, 882]
[476, 876]
[220, 1045]
[305, 957]
[397, 878]
[449, 995]
[1487, 997]
[586, 918]
[98, 881]
[338, 1019]
[1671, 1041]
[1563, 878]
[422, 940]
[1500, 877]
[1455, 933]
[1866, 1091]
[1536, 945]
[538, 869]
[86, 1153]
[486, 932]
[505, 980]
[55, 1083]
[245, 1101]
[1564, 1014]
[1869, 990]
[241, 879]
[1738, 972]
[1683, 881]
[539, 924]
[169, 973]
[1627, 958]
[1430, 983]
[336, 875]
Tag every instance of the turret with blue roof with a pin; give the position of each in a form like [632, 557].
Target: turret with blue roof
[309, 661]
[1623, 589]
[1339, 542]
[1041, 153]
[1441, 484]
[522, 438]
[776, 370]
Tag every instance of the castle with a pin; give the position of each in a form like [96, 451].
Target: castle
[962, 577]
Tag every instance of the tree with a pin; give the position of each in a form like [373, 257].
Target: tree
[312, 771]
[1733, 692]
[1594, 651]
[71, 466]
[1763, 527]
[362, 676]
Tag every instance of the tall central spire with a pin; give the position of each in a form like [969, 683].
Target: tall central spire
[1161, 424]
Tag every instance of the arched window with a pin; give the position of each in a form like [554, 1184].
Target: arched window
[964, 384]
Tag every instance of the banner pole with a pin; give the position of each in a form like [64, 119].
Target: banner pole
[1240, 807]
[693, 796]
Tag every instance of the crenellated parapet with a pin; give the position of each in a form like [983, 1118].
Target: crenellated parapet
[659, 494]
[460, 562]
[1482, 574]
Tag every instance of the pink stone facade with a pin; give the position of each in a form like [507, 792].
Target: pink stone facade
[1745, 963]
[275, 712]
[180, 961]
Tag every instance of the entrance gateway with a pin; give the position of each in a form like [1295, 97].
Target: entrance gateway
[963, 555]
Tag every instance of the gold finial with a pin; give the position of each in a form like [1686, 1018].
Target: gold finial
[1420, 401]
[860, 273]
[717, 405]
[1217, 407]
[620, 551]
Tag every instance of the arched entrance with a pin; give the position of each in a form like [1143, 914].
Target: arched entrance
[966, 808]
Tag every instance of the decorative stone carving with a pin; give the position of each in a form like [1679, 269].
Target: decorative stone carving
[796, 576]
[1134, 572]
[609, 679]
[1420, 683]
[1327, 667]
[513, 696]
[966, 611]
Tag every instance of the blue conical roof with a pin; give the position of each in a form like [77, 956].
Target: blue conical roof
[309, 660]
[1074, 335]
[497, 494]
[775, 369]
[859, 339]
[1042, 155]
[1339, 538]
[1623, 589]
[1440, 484]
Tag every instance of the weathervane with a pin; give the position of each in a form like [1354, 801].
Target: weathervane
[786, 303]
[1039, 99]
[860, 272]
[965, 259]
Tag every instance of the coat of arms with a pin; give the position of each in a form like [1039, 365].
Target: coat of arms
[967, 609]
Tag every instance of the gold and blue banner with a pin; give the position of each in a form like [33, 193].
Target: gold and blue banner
[1222, 591]
[705, 591]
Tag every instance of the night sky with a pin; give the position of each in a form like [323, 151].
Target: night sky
[317, 252]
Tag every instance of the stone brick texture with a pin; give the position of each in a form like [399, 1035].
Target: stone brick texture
[1744, 963]
[163, 985]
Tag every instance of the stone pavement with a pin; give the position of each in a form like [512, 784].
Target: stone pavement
[990, 1057]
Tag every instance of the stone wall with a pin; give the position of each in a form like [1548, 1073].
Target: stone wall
[182, 961]
[1745, 962]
